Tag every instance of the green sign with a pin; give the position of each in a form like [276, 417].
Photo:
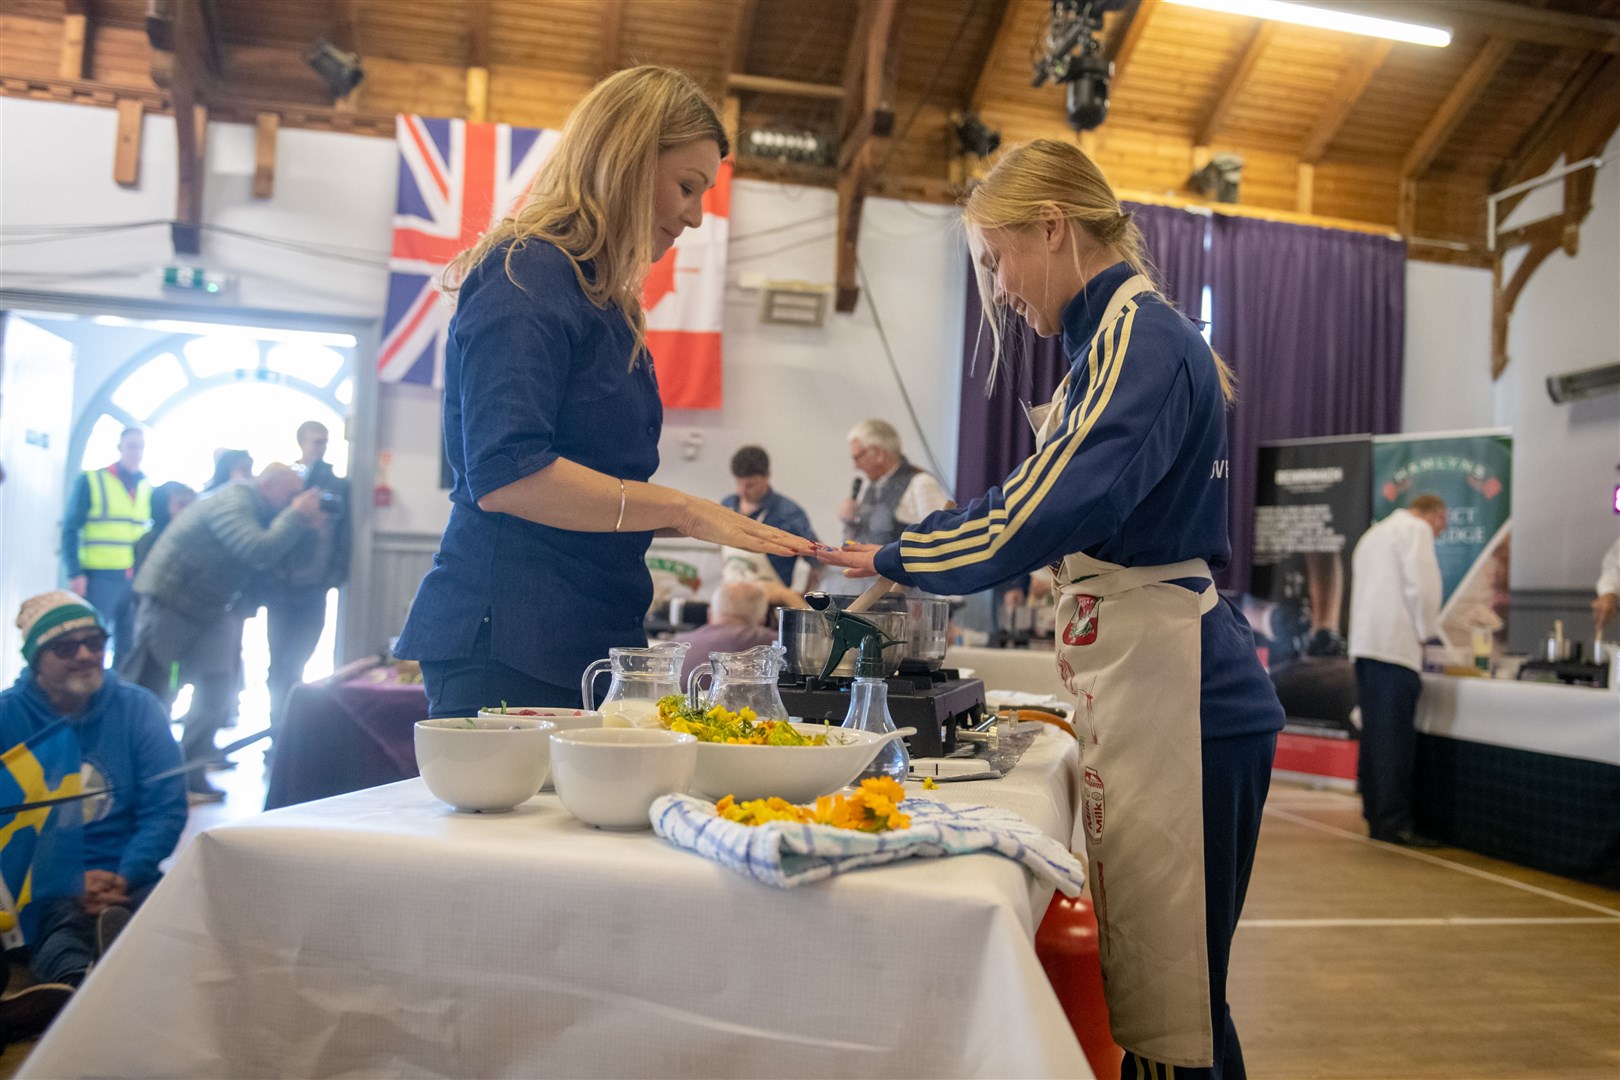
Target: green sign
[1472, 473]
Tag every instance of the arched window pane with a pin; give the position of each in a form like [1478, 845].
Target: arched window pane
[344, 392]
[314, 364]
[150, 385]
[102, 449]
[220, 354]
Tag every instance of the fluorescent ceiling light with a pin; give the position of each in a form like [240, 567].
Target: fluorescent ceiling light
[1327, 19]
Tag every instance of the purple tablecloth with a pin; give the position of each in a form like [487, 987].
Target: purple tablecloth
[342, 737]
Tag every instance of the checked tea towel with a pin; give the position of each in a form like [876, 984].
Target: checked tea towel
[786, 854]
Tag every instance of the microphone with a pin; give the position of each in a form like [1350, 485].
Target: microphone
[855, 489]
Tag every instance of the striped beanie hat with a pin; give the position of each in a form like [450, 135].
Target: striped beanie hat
[49, 615]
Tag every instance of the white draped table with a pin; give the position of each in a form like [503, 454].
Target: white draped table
[380, 933]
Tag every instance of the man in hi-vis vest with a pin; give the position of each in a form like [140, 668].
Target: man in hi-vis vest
[108, 511]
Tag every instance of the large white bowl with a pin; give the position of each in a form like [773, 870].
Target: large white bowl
[798, 774]
[482, 764]
[562, 719]
[610, 777]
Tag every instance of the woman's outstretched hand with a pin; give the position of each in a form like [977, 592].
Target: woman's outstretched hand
[858, 560]
[704, 520]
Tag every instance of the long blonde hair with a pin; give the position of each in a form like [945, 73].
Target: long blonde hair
[1045, 177]
[594, 196]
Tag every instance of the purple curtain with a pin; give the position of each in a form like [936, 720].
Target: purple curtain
[1313, 322]
[1177, 244]
[994, 435]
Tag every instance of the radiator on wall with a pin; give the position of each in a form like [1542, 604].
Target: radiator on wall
[399, 561]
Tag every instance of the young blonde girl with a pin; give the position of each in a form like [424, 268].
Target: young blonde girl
[1125, 502]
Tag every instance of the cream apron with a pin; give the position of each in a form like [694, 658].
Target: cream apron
[1128, 646]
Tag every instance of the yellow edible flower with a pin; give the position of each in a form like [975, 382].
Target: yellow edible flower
[873, 808]
[929, 785]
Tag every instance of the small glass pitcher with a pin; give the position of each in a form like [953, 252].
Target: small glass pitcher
[640, 678]
[741, 680]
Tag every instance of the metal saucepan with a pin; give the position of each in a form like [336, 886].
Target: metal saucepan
[928, 620]
[804, 636]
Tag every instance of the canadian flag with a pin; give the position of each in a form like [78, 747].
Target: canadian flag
[685, 299]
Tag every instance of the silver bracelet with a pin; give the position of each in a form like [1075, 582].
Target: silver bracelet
[617, 525]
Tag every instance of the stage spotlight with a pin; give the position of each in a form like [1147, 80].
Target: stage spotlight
[1075, 56]
[338, 69]
[974, 137]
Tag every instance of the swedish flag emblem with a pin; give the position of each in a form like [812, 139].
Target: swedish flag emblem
[41, 850]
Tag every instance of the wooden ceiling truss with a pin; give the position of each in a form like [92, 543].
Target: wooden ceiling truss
[1332, 127]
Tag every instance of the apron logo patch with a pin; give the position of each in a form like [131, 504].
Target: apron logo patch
[1092, 812]
[1082, 628]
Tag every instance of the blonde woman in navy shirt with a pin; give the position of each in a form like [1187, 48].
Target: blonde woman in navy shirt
[552, 415]
[1125, 501]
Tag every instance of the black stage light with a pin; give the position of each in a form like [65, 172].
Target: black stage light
[1220, 178]
[1075, 56]
[974, 137]
[338, 69]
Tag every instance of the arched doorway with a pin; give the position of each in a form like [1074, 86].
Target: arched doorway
[211, 388]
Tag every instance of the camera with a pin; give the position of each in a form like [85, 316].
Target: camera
[331, 502]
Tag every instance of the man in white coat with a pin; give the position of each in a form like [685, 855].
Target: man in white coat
[1608, 589]
[1394, 609]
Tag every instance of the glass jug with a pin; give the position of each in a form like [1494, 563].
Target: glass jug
[742, 680]
[640, 678]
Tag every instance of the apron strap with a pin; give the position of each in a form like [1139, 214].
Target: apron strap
[1124, 579]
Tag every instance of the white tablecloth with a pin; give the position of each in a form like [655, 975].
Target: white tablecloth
[1545, 718]
[380, 933]
[1033, 670]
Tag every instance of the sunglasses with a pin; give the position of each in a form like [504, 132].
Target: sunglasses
[69, 648]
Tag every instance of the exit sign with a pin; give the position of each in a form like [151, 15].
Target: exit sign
[195, 279]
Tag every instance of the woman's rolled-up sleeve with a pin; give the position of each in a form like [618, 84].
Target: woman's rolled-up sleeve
[516, 347]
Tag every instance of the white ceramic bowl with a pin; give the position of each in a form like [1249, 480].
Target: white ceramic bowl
[563, 719]
[484, 765]
[798, 774]
[609, 777]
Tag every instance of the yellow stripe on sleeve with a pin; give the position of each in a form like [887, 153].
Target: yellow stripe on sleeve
[926, 561]
[1030, 475]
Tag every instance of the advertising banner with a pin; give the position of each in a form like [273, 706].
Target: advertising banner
[1313, 500]
[1473, 473]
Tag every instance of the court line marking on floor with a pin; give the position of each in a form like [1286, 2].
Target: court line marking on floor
[1435, 860]
[1315, 924]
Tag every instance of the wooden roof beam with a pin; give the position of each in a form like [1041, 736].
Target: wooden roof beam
[765, 84]
[478, 21]
[869, 87]
[1541, 145]
[612, 35]
[1126, 35]
[1464, 93]
[1236, 79]
[343, 24]
[75, 31]
[742, 30]
[1510, 21]
[1581, 128]
[998, 44]
[1352, 84]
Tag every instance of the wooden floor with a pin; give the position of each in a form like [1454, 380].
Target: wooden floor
[1361, 961]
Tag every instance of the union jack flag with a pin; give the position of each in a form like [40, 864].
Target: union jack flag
[456, 179]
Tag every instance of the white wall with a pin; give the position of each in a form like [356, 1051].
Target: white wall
[56, 165]
[1567, 318]
[1448, 349]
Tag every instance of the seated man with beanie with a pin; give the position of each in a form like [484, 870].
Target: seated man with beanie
[116, 839]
